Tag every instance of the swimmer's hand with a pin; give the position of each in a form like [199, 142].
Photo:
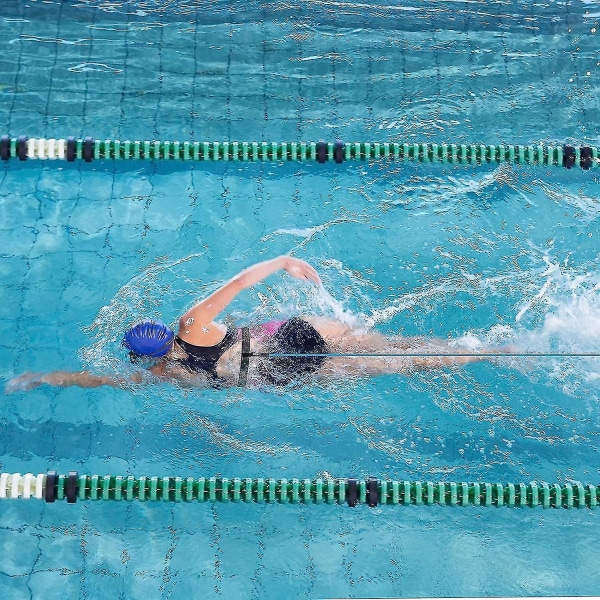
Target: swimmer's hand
[300, 270]
[24, 382]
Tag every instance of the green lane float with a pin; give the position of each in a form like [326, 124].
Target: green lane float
[89, 149]
[52, 487]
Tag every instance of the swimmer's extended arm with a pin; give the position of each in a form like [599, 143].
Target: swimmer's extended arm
[29, 381]
[207, 310]
[84, 379]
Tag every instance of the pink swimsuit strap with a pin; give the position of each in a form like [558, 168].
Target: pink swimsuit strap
[264, 330]
[270, 328]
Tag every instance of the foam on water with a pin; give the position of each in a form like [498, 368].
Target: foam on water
[569, 324]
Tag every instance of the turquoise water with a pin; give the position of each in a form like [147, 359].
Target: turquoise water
[480, 255]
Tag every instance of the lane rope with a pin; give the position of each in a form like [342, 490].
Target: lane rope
[338, 151]
[370, 491]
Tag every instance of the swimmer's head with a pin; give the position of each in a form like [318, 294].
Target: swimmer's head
[148, 339]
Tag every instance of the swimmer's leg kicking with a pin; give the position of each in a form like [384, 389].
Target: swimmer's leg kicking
[343, 339]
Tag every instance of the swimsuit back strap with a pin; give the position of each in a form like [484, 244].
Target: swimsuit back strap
[246, 354]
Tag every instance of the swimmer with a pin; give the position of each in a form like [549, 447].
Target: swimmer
[205, 353]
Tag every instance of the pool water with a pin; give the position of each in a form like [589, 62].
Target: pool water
[482, 255]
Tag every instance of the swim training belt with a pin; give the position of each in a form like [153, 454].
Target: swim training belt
[149, 338]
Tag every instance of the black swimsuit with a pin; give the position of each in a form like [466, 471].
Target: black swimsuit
[205, 358]
[295, 336]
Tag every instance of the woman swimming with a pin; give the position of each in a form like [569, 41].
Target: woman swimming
[204, 352]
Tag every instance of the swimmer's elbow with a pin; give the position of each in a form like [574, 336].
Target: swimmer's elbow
[241, 281]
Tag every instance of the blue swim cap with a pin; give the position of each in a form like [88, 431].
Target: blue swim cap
[149, 338]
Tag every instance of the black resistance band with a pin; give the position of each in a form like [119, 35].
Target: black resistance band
[246, 354]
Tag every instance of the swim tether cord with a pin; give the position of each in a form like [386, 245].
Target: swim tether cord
[89, 149]
[371, 491]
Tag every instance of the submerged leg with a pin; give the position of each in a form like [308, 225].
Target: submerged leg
[342, 339]
[385, 365]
